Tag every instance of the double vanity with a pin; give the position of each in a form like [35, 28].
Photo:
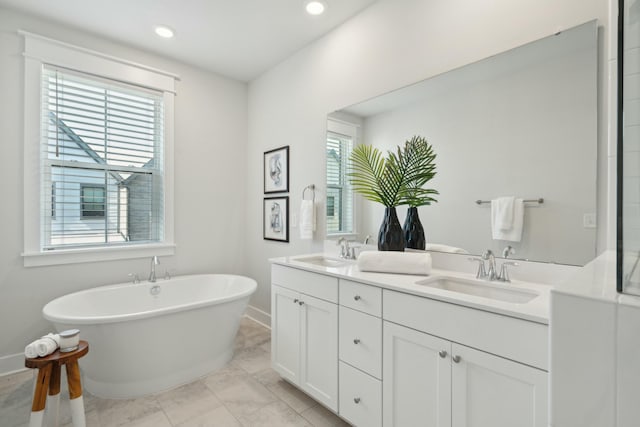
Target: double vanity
[397, 350]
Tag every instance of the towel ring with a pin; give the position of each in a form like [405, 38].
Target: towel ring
[311, 187]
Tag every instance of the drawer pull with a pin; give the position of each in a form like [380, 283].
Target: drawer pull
[357, 298]
[295, 300]
[300, 302]
[442, 353]
[356, 400]
[456, 359]
[356, 341]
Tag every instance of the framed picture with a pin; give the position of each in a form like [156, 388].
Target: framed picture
[276, 170]
[275, 215]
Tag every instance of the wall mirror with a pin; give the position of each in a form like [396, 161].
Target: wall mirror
[522, 123]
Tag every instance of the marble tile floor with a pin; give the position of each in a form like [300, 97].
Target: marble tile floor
[247, 392]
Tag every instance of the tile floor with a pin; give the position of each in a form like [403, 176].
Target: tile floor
[247, 392]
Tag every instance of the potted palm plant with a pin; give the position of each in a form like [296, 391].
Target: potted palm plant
[393, 180]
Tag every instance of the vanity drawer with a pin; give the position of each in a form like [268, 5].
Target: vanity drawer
[360, 397]
[316, 285]
[509, 337]
[365, 298]
[360, 340]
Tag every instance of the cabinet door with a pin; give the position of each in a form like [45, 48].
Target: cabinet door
[416, 376]
[319, 350]
[489, 391]
[285, 332]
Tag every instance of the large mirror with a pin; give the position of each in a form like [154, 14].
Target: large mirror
[522, 123]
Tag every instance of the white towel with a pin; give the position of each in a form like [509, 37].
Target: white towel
[307, 219]
[395, 262]
[502, 213]
[43, 346]
[444, 248]
[514, 232]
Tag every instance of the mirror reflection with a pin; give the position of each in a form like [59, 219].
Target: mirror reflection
[520, 124]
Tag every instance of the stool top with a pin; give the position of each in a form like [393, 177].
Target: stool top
[58, 357]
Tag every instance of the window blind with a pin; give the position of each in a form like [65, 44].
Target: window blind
[102, 176]
[339, 191]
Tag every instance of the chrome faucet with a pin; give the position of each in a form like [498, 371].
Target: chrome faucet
[152, 275]
[345, 250]
[491, 272]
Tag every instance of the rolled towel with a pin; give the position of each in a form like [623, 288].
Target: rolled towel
[395, 262]
[47, 344]
[444, 248]
[30, 350]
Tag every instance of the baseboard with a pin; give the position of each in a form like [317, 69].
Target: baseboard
[259, 316]
[12, 363]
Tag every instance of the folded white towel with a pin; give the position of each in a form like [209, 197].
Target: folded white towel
[444, 248]
[514, 233]
[43, 346]
[395, 262]
[307, 219]
[502, 213]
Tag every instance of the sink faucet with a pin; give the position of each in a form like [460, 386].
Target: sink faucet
[345, 250]
[152, 275]
[491, 272]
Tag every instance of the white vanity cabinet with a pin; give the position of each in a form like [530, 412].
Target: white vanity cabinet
[446, 384]
[304, 330]
[381, 357]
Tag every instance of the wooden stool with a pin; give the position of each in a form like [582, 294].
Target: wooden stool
[49, 379]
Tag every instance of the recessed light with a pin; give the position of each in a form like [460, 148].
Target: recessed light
[315, 7]
[164, 31]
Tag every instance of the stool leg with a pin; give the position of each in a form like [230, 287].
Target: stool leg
[75, 394]
[40, 396]
[54, 397]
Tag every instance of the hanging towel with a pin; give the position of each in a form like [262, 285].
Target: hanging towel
[514, 231]
[502, 213]
[307, 219]
[395, 262]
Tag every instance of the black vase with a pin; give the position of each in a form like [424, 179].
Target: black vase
[390, 237]
[413, 231]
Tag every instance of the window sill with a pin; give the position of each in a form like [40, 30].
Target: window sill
[76, 256]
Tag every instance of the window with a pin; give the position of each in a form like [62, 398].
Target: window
[340, 200]
[99, 131]
[92, 201]
[97, 137]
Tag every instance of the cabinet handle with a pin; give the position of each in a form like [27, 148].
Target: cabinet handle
[357, 298]
[442, 353]
[295, 300]
[300, 302]
[356, 400]
[356, 341]
[456, 359]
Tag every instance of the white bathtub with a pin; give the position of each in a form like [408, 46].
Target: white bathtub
[140, 343]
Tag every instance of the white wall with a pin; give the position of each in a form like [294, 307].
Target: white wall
[391, 44]
[210, 151]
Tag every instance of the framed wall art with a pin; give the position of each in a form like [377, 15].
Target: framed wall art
[276, 170]
[276, 218]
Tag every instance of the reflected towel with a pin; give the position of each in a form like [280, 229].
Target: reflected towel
[307, 219]
[444, 248]
[502, 213]
[395, 262]
[514, 233]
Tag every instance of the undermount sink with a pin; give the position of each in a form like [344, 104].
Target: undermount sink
[490, 290]
[322, 261]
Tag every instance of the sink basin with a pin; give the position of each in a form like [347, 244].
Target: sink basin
[322, 261]
[490, 290]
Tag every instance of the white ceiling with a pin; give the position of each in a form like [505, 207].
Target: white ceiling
[236, 38]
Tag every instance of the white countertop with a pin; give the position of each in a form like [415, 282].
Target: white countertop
[536, 310]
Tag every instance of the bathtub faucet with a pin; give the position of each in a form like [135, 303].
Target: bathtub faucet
[152, 275]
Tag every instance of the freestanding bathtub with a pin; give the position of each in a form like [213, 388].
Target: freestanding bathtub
[149, 337]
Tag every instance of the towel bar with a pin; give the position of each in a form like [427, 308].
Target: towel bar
[539, 201]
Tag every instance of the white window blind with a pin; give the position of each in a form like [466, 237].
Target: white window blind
[102, 162]
[339, 204]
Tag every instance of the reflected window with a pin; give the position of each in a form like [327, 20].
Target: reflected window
[340, 200]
